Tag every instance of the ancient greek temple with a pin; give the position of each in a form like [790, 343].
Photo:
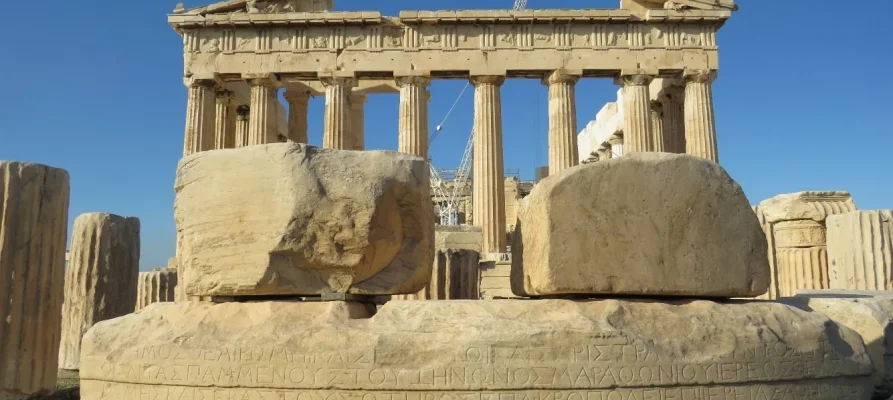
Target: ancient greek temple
[240, 54]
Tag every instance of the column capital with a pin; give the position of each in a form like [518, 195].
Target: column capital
[345, 81]
[200, 83]
[634, 80]
[699, 76]
[562, 76]
[269, 80]
[497, 80]
[242, 112]
[225, 96]
[296, 97]
[615, 140]
[416, 80]
[657, 106]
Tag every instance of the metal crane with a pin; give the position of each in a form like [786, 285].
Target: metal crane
[449, 210]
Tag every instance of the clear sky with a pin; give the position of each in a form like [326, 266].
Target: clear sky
[95, 87]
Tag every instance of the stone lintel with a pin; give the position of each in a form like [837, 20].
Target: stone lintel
[179, 21]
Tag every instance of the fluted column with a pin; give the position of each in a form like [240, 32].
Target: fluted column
[616, 149]
[562, 121]
[33, 224]
[657, 126]
[200, 109]
[357, 122]
[337, 130]
[225, 121]
[489, 176]
[413, 135]
[671, 101]
[637, 133]
[242, 117]
[700, 125]
[264, 110]
[297, 115]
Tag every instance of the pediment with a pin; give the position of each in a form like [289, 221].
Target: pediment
[259, 6]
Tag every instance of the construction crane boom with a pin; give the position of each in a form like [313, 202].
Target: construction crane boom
[520, 4]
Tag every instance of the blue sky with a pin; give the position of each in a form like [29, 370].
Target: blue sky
[95, 87]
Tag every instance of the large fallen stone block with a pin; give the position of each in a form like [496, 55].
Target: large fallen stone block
[868, 313]
[860, 250]
[33, 226]
[290, 219]
[652, 224]
[799, 237]
[101, 280]
[499, 349]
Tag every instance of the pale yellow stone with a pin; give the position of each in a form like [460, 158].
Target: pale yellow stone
[455, 276]
[604, 350]
[653, 224]
[34, 213]
[860, 250]
[101, 280]
[291, 219]
[156, 286]
[868, 313]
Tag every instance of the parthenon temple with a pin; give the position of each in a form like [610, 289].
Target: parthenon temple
[239, 54]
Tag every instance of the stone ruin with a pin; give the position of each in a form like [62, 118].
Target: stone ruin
[344, 234]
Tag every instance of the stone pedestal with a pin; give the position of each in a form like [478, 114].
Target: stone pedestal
[242, 126]
[413, 137]
[337, 130]
[801, 249]
[200, 117]
[101, 280]
[562, 121]
[357, 122]
[488, 179]
[797, 222]
[297, 116]
[637, 135]
[860, 250]
[700, 124]
[498, 349]
[225, 122]
[34, 214]
[159, 286]
[657, 127]
[264, 109]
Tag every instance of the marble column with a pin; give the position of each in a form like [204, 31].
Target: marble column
[616, 149]
[657, 126]
[700, 125]
[297, 115]
[637, 133]
[242, 117]
[413, 136]
[337, 130]
[225, 122]
[489, 176]
[357, 122]
[671, 102]
[264, 110]
[200, 108]
[562, 121]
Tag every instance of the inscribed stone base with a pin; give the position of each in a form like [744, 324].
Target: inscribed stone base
[500, 350]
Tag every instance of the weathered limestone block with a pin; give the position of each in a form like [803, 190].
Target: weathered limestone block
[652, 224]
[797, 221]
[33, 225]
[860, 250]
[101, 280]
[496, 280]
[458, 237]
[455, 275]
[506, 349]
[868, 313]
[292, 219]
[158, 286]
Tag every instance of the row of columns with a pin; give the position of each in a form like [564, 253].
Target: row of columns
[648, 126]
[681, 121]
